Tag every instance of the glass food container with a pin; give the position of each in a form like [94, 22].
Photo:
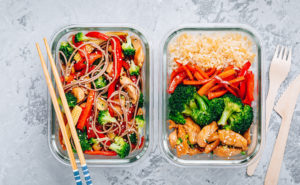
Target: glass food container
[54, 144]
[257, 128]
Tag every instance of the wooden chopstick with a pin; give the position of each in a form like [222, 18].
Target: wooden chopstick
[63, 98]
[60, 118]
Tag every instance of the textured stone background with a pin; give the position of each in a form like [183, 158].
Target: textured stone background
[25, 157]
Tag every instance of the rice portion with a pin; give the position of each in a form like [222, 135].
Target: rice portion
[211, 50]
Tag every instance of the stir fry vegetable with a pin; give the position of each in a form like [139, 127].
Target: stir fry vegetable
[103, 85]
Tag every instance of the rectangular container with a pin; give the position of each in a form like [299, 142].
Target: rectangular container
[55, 147]
[257, 128]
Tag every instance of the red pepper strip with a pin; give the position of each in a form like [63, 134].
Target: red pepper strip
[199, 82]
[106, 153]
[125, 65]
[188, 72]
[82, 72]
[229, 67]
[242, 90]
[142, 142]
[80, 65]
[201, 71]
[91, 57]
[87, 111]
[76, 43]
[245, 68]
[97, 35]
[130, 113]
[211, 71]
[250, 88]
[176, 81]
[133, 78]
[176, 72]
[216, 94]
[116, 46]
[62, 79]
[231, 90]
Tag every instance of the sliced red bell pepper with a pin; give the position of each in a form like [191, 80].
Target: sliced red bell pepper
[125, 65]
[176, 72]
[245, 68]
[142, 142]
[87, 111]
[82, 72]
[116, 46]
[97, 35]
[71, 77]
[77, 44]
[176, 81]
[106, 153]
[91, 57]
[211, 71]
[130, 112]
[250, 88]
[133, 78]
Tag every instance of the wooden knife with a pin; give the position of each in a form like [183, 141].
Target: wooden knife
[285, 108]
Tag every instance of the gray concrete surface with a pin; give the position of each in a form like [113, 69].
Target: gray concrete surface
[25, 157]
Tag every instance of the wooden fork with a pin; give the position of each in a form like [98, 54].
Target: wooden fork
[279, 69]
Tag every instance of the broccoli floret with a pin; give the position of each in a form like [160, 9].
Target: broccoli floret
[141, 100]
[217, 106]
[71, 99]
[241, 121]
[80, 37]
[104, 117]
[133, 138]
[127, 47]
[140, 122]
[100, 82]
[67, 50]
[134, 69]
[232, 105]
[186, 101]
[84, 142]
[120, 146]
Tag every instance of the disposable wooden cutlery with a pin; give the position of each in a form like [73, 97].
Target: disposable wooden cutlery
[285, 108]
[85, 170]
[279, 69]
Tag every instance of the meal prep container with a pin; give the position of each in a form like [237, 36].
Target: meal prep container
[257, 128]
[54, 144]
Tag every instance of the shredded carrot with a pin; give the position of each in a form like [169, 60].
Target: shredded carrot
[195, 82]
[212, 95]
[229, 67]
[238, 79]
[191, 68]
[188, 72]
[231, 90]
[205, 88]
[198, 76]
[214, 88]
[227, 73]
[201, 72]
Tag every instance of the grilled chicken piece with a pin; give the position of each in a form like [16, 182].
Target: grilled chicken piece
[213, 137]
[173, 138]
[192, 130]
[194, 151]
[172, 124]
[225, 151]
[247, 136]
[117, 106]
[205, 133]
[228, 137]
[139, 56]
[109, 69]
[210, 147]
[131, 90]
[183, 147]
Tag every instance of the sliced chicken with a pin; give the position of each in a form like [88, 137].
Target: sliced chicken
[172, 124]
[194, 151]
[225, 151]
[131, 90]
[228, 137]
[139, 56]
[192, 130]
[210, 147]
[213, 137]
[117, 106]
[173, 138]
[183, 147]
[205, 133]
[247, 136]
